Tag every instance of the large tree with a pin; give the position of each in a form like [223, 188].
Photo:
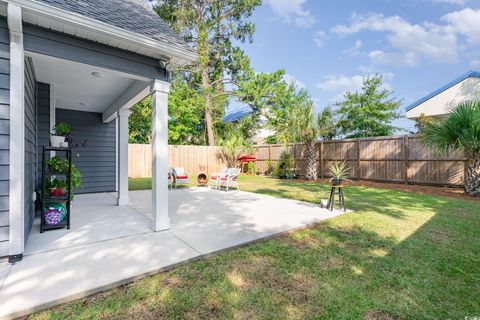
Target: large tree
[213, 28]
[185, 112]
[459, 131]
[368, 112]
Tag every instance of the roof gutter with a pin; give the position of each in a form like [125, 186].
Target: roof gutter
[177, 55]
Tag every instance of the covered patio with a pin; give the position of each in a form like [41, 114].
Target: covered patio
[109, 245]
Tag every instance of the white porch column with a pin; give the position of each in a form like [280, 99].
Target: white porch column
[160, 90]
[17, 133]
[122, 174]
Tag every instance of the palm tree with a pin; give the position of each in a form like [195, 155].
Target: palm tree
[233, 147]
[303, 127]
[460, 131]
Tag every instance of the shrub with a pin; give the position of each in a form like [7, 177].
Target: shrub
[284, 165]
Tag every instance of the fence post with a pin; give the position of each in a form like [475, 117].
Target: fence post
[321, 159]
[406, 164]
[358, 159]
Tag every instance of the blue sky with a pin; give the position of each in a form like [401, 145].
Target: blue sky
[328, 46]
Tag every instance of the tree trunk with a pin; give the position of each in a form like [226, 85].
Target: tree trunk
[311, 161]
[472, 176]
[208, 107]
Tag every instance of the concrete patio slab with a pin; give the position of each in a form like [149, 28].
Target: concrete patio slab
[43, 280]
[109, 245]
[96, 218]
[211, 220]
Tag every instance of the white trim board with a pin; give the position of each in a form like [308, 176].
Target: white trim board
[84, 27]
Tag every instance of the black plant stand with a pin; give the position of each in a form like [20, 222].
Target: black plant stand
[47, 199]
[336, 190]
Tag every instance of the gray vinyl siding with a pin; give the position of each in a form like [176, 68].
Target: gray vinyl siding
[4, 136]
[97, 161]
[56, 44]
[30, 143]
[43, 123]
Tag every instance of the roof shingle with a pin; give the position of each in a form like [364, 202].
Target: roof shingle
[131, 15]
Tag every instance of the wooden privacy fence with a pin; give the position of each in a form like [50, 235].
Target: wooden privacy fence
[188, 157]
[388, 159]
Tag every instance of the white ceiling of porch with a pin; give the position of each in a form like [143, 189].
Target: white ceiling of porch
[76, 88]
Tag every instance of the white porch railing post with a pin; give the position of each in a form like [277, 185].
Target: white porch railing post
[160, 90]
[123, 115]
[17, 134]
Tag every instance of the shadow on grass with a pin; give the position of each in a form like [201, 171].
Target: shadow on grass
[384, 201]
[353, 267]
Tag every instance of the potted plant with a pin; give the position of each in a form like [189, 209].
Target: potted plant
[59, 134]
[57, 187]
[56, 165]
[60, 166]
[338, 172]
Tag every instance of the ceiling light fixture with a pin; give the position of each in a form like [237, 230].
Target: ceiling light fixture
[97, 74]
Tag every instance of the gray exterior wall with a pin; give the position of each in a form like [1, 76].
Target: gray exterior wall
[55, 44]
[43, 123]
[97, 161]
[4, 136]
[30, 143]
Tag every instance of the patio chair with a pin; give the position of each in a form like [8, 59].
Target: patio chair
[215, 178]
[180, 177]
[231, 180]
[170, 178]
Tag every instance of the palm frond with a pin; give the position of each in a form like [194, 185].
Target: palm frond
[459, 131]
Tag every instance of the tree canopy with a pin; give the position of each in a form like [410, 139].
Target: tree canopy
[368, 112]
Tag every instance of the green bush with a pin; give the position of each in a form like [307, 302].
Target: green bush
[251, 167]
[284, 165]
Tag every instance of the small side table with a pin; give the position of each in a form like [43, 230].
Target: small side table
[336, 190]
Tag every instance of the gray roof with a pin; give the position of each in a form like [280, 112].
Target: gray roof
[132, 15]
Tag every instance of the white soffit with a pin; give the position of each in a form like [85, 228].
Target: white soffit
[79, 86]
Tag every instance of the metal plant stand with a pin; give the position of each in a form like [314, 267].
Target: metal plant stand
[336, 190]
[46, 197]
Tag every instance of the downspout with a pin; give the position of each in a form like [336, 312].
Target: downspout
[17, 134]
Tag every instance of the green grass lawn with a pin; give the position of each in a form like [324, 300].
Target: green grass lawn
[397, 256]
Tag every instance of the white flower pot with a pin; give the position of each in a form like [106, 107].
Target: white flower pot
[323, 203]
[56, 141]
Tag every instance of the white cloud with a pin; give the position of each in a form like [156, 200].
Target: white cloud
[342, 84]
[355, 49]
[407, 59]
[318, 38]
[411, 43]
[465, 22]
[292, 11]
[294, 81]
[456, 2]
[334, 83]
[475, 63]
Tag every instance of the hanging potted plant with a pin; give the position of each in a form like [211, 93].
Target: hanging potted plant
[338, 172]
[59, 133]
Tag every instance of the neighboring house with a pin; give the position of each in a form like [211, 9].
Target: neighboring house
[439, 102]
[84, 62]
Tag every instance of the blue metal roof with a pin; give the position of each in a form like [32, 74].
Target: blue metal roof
[469, 74]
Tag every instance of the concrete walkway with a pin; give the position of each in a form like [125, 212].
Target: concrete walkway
[109, 245]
